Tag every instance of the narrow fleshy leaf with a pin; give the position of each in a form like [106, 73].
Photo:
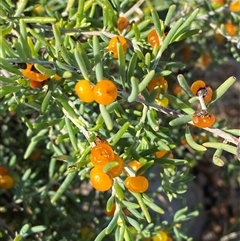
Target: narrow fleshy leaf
[225, 147]
[192, 142]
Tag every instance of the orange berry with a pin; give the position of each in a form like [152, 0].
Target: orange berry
[84, 91]
[230, 29]
[135, 165]
[234, 6]
[158, 82]
[122, 23]
[100, 180]
[117, 170]
[101, 154]
[161, 153]
[153, 38]
[6, 182]
[138, 184]
[202, 119]
[105, 92]
[205, 59]
[35, 155]
[31, 73]
[163, 102]
[3, 170]
[160, 236]
[199, 88]
[36, 85]
[112, 46]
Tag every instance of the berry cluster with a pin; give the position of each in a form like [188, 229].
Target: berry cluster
[108, 165]
[104, 92]
[101, 156]
[201, 118]
[6, 181]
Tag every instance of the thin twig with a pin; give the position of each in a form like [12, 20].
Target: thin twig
[133, 8]
[226, 136]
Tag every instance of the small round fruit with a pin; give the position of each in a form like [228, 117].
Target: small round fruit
[100, 180]
[105, 92]
[231, 29]
[122, 23]
[138, 184]
[6, 182]
[117, 170]
[112, 46]
[3, 170]
[199, 88]
[153, 38]
[203, 119]
[234, 6]
[163, 102]
[31, 73]
[84, 91]
[158, 82]
[161, 153]
[135, 165]
[101, 154]
[160, 236]
[36, 85]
